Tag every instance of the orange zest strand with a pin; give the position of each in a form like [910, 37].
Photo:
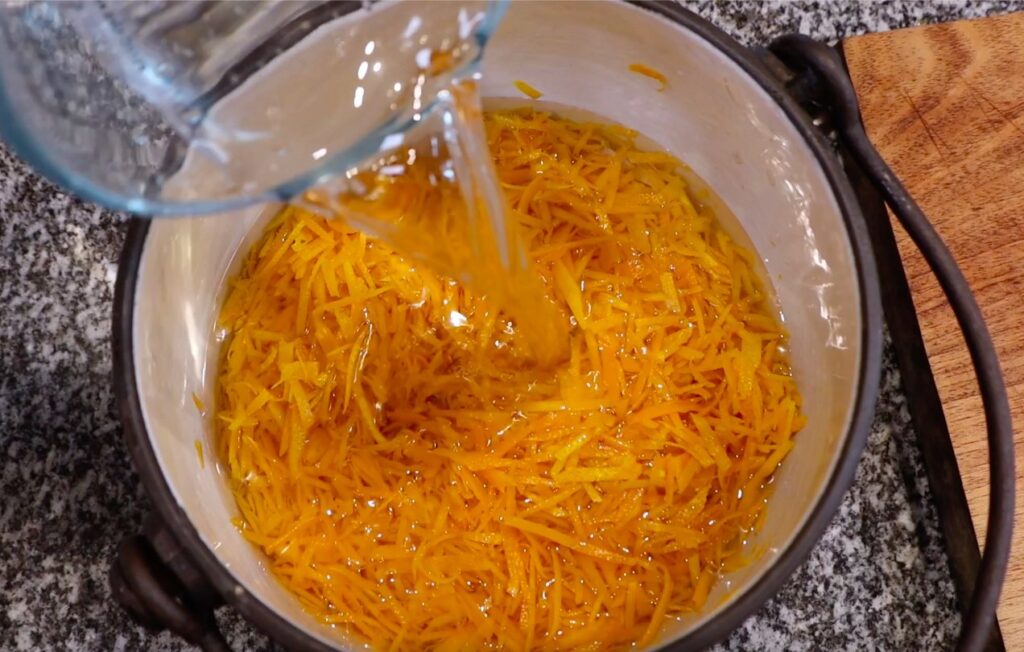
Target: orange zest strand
[528, 90]
[647, 71]
[418, 481]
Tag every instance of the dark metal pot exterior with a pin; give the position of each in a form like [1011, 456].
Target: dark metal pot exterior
[177, 523]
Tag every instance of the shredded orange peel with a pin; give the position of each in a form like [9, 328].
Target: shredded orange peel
[654, 74]
[527, 90]
[415, 480]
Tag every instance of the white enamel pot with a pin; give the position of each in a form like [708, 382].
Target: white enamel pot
[724, 114]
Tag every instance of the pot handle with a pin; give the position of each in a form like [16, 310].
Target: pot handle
[160, 588]
[823, 69]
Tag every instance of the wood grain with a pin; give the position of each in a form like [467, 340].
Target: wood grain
[944, 104]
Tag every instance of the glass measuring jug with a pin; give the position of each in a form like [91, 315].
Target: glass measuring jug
[115, 99]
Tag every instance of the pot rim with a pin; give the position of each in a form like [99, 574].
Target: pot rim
[719, 625]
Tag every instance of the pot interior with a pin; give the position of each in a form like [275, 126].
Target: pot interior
[712, 115]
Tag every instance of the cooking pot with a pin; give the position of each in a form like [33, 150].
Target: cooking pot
[724, 111]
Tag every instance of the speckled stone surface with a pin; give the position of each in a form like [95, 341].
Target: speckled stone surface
[877, 580]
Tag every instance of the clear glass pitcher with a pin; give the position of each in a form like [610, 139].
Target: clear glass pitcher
[115, 99]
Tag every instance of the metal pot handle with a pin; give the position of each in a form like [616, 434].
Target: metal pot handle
[825, 83]
[153, 580]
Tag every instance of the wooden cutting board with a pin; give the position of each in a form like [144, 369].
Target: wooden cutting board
[944, 104]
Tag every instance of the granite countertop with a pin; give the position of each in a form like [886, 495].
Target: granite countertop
[879, 577]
